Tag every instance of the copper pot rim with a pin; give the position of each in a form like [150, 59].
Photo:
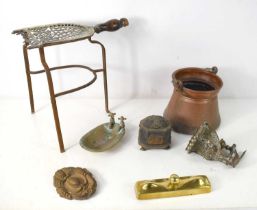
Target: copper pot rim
[214, 80]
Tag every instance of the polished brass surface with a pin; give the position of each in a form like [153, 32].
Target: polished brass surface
[206, 143]
[74, 183]
[172, 187]
[104, 136]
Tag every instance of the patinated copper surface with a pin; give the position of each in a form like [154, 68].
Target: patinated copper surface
[154, 133]
[74, 183]
[194, 99]
[206, 143]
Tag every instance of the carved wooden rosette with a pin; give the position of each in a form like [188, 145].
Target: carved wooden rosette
[74, 183]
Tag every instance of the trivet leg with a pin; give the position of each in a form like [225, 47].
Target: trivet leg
[26, 61]
[105, 80]
[53, 101]
[104, 74]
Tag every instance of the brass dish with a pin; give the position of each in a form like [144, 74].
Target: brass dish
[172, 187]
[104, 136]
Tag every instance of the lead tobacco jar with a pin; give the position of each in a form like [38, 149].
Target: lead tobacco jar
[154, 133]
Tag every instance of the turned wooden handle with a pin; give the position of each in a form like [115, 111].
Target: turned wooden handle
[111, 25]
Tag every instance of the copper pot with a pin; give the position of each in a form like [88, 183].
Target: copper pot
[194, 99]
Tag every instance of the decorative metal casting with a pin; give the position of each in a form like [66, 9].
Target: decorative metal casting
[206, 143]
[54, 34]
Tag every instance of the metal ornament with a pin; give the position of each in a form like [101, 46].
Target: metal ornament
[206, 143]
[172, 187]
[154, 133]
[74, 183]
[104, 136]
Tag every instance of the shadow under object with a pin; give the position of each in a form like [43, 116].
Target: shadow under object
[172, 187]
[74, 183]
[154, 133]
[194, 99]
[40, 37]
[104, 136]
[206, 143]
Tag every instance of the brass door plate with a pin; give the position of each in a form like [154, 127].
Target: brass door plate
[172, 187]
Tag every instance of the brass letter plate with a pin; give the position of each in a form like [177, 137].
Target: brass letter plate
[172, 187]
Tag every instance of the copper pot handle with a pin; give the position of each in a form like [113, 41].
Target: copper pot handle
[177, 84]
[213, 69]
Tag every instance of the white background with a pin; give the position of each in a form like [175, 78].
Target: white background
[162, 37]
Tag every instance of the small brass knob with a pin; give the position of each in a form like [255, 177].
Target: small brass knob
[174, 179]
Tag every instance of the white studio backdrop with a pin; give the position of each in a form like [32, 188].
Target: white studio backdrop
[163, 35]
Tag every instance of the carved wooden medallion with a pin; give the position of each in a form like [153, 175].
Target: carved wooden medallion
[74, 183]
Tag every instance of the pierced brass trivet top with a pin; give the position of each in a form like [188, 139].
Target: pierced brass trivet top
[172, 187]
